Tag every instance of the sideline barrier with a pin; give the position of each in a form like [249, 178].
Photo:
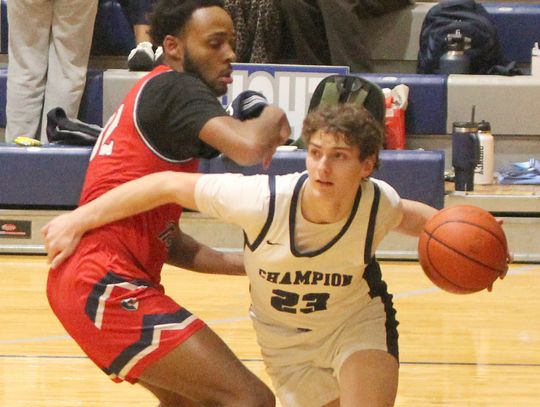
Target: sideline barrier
[52, 176]
[38, 183]
[415, 174]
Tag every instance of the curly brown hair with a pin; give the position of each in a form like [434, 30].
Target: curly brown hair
[352, 121]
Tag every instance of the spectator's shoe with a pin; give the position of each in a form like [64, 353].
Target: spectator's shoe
[158, 56]
[141, 58]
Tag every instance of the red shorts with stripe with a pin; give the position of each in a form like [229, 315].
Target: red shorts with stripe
[122, 322]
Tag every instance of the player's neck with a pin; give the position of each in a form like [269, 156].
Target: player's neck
[317, 208]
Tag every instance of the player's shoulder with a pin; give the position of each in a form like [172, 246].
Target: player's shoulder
[173, 79]
[287, 182]
[384, 186]
[229, 179]
[388, 192]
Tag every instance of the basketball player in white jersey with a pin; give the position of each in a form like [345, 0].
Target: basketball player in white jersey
[323, 317]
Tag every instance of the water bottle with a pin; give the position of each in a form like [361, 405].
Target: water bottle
[465, 154]
[483, 173]
[535, 61]
[455, 61]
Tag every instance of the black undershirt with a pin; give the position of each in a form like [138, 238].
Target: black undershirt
[172, 109]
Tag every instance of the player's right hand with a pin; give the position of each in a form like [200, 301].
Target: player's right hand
[278, 131]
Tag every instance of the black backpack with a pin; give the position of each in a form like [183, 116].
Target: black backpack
[73, 132]
[474, 22]
[336, 89]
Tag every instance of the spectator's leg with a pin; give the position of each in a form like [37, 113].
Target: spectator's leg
[141, 33]
[29, 31]
[139, 11]
[72, 28]
[145, 56]
[265, 23]
[239, 12]
[305, 24]
[344, 34]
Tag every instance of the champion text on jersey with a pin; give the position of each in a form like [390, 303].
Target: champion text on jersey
[306, 277]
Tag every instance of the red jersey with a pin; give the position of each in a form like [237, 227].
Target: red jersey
[121, 154]
[107, 295]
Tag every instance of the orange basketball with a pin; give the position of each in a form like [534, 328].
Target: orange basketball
[463, 249]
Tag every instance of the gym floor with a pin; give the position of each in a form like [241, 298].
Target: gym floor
[456, 350]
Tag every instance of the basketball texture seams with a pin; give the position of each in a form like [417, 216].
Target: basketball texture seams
[476, 247]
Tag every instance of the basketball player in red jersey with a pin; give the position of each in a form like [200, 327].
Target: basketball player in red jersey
[108, 295]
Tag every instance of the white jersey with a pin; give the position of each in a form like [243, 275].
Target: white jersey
[321, 282]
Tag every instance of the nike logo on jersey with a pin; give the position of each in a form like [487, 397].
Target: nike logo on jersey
[274, 243]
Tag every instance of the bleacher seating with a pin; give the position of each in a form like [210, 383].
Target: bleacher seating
[434, 101]
[113, 33]
[393, 38]
[518, 25]
[427, 102]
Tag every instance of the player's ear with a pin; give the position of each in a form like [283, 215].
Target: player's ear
[368, 165]
[173, 47]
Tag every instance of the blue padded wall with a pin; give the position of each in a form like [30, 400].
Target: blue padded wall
[3, 88]
[282, 163]
[426, 112]
[3, 27]
[518, 25]
[50, 176]
[415, 174]
[91, 109]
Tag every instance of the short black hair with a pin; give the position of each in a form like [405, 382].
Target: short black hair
[169, 17]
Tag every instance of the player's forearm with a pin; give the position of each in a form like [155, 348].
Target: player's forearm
[135, 197]
[415, 216]
[190, 254]
[211, 261]
[248, 142]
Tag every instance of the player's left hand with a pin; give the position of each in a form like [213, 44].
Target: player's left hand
[247, 105]
[61, 239]
[509, 255]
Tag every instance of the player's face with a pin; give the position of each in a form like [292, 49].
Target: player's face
[209, 48]
[334, 168]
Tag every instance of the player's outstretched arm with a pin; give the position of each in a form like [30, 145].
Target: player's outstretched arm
[251, 141]
[415, 216]
[188, 253]
[63, 233]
